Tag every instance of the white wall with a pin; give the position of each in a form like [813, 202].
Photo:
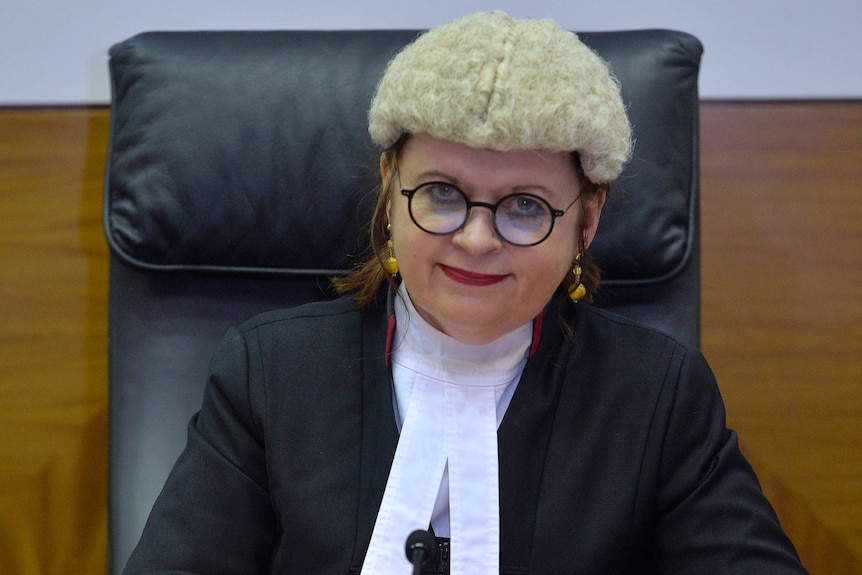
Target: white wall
[55, 51]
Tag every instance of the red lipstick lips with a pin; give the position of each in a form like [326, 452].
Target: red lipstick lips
[470, 278]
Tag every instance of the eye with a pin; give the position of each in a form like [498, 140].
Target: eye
[524, 207]
[442, 195]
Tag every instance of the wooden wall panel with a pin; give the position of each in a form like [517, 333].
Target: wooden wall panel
[782, 323]
[53, 374]
[782, 308]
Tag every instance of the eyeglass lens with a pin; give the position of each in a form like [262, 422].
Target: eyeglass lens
[440, 208]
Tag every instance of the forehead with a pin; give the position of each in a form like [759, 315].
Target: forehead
[424, 157]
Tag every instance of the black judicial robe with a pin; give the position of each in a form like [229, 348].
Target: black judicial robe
[614, 456]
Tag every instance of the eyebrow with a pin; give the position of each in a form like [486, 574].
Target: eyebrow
[436, 175]
[432, 175]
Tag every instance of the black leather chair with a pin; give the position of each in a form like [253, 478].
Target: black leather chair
[238, 180]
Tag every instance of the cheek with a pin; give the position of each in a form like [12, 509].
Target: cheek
[412, 246]
[567, 245]
[398, 232]
[547, 270]
[560, 260]
[561, 268]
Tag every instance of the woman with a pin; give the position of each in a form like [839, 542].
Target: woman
[464, 384]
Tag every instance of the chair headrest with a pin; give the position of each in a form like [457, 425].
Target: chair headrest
[249, 152]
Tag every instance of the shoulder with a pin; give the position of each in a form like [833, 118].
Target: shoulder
[647, 383]
[603, 334]
[629, 355]
[317, 334]
[303, 317]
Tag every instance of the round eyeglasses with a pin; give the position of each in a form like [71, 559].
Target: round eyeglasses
[523, 220]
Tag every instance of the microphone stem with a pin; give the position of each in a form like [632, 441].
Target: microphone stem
[418, 560]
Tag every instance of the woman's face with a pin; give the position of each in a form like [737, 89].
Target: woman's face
[471, 284]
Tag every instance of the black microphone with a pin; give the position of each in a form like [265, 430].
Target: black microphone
[420, 549]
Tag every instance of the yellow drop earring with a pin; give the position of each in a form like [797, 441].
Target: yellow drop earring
[391, 264]
[577, 291]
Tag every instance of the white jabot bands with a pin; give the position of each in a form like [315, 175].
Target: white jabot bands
[451, 397]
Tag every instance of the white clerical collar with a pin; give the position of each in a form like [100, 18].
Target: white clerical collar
[421, 348]
[451, 398]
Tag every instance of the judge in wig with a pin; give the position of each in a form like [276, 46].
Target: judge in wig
[463, 384]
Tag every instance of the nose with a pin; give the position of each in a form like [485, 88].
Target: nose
[478, 235]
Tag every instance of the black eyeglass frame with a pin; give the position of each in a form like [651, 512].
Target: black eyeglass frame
[555, 213]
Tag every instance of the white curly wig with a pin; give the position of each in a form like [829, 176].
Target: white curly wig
[490, 81]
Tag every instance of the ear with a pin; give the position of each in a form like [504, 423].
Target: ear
[593, 212]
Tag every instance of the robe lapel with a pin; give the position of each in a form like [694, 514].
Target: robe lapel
[379, 430]
[523, 439]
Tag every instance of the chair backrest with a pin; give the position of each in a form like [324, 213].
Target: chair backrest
[239, 177]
